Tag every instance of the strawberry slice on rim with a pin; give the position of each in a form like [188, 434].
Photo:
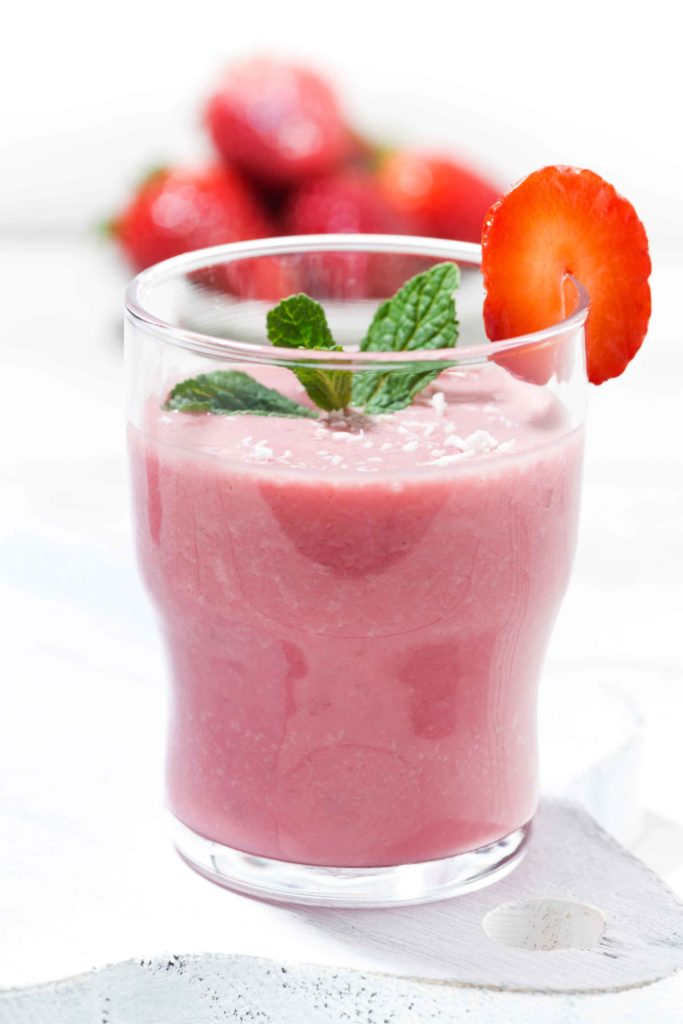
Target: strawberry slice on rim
[560, 221]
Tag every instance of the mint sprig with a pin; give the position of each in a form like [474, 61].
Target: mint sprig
[227, 392]
[420, 316]
[300, 322]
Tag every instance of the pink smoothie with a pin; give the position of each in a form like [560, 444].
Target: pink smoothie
[357, 614]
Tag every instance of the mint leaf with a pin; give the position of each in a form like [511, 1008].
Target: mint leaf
[379, 392]
[300, 322]
[228, 392]
[329, 389]
[421, 315]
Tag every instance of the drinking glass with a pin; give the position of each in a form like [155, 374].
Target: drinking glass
[355, 607]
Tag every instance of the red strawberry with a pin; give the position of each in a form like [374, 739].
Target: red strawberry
[278, 122]
[349, 201]
[443, 198]
[175, 211]
[559, 221]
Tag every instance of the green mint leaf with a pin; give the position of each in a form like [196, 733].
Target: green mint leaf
[329, 389]
[300, 322]
[421, 315]
[378, 392]
[227, 392]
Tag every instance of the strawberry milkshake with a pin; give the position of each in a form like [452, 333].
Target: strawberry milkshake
[356, 609]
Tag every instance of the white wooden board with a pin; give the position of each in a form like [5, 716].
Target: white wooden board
[577, 888]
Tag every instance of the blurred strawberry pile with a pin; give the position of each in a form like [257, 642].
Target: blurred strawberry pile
[288, 163]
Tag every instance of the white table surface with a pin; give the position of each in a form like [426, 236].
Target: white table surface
[74, 613]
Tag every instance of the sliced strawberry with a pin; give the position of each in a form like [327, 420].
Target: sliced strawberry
[559, 221]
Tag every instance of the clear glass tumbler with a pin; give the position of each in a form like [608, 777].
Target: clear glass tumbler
[355, 607]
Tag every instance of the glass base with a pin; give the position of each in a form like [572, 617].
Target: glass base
[394, 886]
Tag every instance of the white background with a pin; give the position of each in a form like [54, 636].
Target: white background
[94, 94]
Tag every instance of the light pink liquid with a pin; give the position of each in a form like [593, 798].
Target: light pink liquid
[356, 623]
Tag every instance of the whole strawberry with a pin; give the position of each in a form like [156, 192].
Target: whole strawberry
[348, 202]
[278, 122]
[441, 197]
[177, 210]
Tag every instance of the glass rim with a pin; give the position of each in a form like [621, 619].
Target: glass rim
[410, 245]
